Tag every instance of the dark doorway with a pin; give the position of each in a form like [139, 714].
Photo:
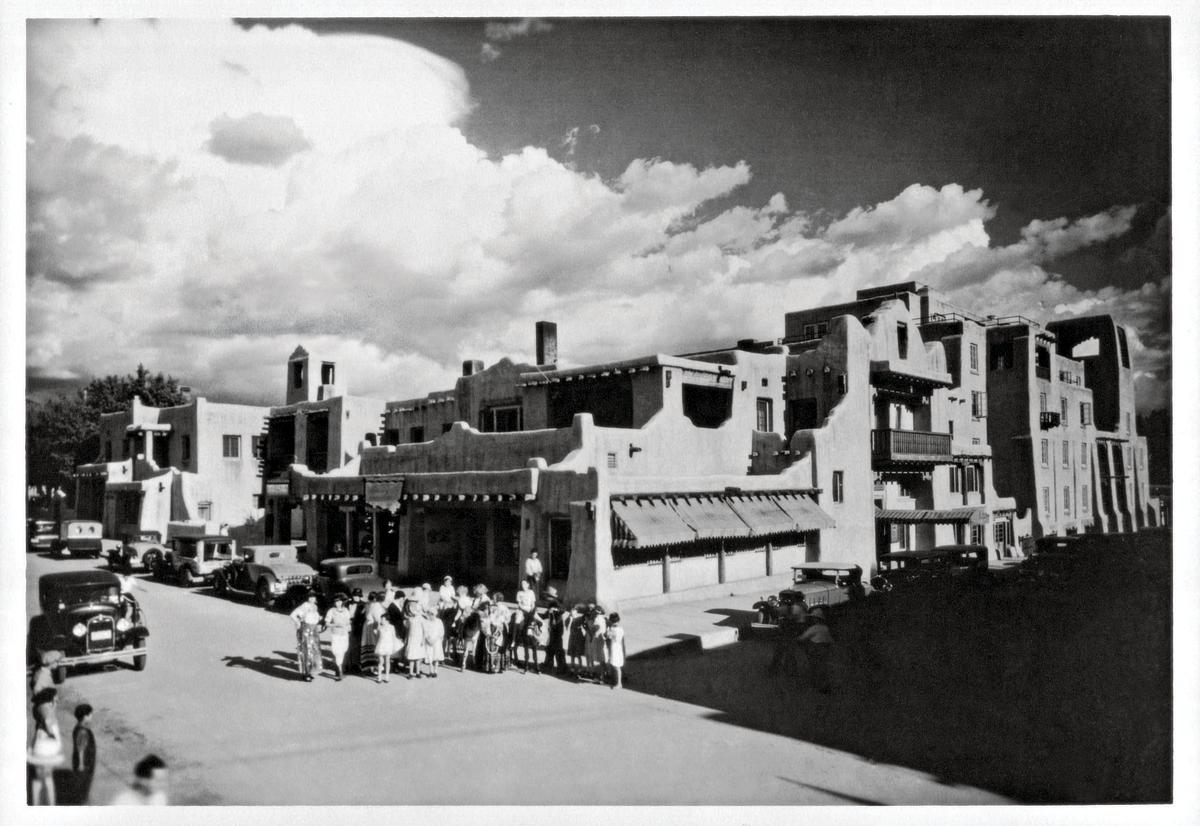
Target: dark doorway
[558, 555]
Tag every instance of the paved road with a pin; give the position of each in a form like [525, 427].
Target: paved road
[222, 704]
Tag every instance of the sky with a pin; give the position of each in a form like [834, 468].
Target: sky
[402, 195]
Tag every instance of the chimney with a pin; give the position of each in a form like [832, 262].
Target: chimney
[472, 366]
[547, 343]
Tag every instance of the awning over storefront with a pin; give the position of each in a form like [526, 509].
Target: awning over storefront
[970, 516]
[327, 487]
[384, 493]
[804, 512]
[762, 514]
[649, 523]
[710, 517]
[471, 486]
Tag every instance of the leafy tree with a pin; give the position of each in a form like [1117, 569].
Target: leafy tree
[64, 431]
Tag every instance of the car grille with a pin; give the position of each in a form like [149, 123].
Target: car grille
[297, 579]
[101, 635]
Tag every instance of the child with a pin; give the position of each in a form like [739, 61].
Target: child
[83, 759]
[615, 639]
[435, 641]
[385, 647]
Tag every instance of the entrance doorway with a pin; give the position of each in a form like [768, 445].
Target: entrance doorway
[558, 556]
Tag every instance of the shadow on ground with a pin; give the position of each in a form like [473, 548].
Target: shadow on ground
[1045, 694]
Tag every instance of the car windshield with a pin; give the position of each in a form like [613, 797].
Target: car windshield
[212, 550]
[83, 594]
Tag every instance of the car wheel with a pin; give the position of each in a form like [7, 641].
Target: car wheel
[58, 674]
[139, 660]
[264, 593]
[185, 577]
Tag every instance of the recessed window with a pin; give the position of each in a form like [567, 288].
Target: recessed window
[416, 434]
[1045, 453]
[327, 372]
[1084, 504]
[1046, 501]
[1066, 501]
[902, 339]
[297, 374]
[1063, 406]
[1042, 405]
[1066, 453]
[185, 448]
[838, 486]
[955, 473]
[841, 383]
[1083, 454]
[974, 352]
[765, 419]
[978, 404]
[1085, 413]
[231, 446]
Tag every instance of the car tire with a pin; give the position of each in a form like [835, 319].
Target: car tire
[58, 674]
[185, 577]
[139, 660]
[263, 591]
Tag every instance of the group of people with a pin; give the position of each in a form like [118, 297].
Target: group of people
[803, 630]
[149, 786]
[384, 631]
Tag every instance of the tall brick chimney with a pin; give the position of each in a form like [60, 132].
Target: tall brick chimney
[547, 343]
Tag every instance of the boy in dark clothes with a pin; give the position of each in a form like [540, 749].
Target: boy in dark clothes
[83, 760]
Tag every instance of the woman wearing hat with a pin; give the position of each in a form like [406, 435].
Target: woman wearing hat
[307, 619]
[45, 750]
[358, 615]
[576, 632]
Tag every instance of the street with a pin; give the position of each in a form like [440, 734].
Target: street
[221, 702]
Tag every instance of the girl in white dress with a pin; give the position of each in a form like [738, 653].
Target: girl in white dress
[615, 641]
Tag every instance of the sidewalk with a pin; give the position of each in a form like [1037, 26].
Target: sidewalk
[707, 622]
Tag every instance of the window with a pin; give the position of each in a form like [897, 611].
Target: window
[766, 422]
[391, 435]
[231, 446]
[1045, 453]
[501, 419]
[1063, 405]
[204, 509]
[1066, 453]
[977, 534]
[612, 461]
[1083, 501]
[185, 449]
[955, 473]
[971, 475]
[297, 374]
[1046, 501]
[902, 339]
[1083, 454]
[950, 425]
[1001, 355]
[258, 445]
[416, 434]
[841, 383]
[1085, 413]
[1066, 501]
[838, 486]
[1042, 406]
[978, 404]
[974, 358]
[1128, 424]
[326, 372]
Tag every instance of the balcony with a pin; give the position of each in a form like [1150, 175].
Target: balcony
[1050, 419]
[909, 446]
[1042, 372]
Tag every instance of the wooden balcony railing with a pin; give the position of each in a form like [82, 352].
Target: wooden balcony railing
[1050, 418]
[910, 446]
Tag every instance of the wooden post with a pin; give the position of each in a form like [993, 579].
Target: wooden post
[721, 562]
[770, 561]
[666, 563]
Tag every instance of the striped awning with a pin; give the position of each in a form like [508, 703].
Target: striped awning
[384, 493]
[804, 512]
[763, 514]
[710, 517]
[648, 523]
[970, 516]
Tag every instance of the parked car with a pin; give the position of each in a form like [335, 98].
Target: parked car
[82, 537]
[824, 583]
[943, 565]
[1055, 557]
[85, 620]
[141, 551]
[266, 571]
[193, 560]
[341, 574]
[42, 533]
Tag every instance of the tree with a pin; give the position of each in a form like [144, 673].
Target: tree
[65, 431]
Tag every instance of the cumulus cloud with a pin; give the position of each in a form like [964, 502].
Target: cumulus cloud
[256, 139]
[393, 245]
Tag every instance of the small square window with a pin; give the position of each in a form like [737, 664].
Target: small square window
[231, 446]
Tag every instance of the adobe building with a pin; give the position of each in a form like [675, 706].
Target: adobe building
[194, 464]
[320, 428]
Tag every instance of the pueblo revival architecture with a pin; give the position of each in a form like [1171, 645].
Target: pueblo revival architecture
[892, 422]
[865, 428]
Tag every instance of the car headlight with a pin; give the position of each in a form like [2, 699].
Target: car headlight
[123, 625]
[79, 629]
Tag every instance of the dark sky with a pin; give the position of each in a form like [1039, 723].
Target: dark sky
[1049, 116]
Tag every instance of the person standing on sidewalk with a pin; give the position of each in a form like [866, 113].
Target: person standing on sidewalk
[83, 757]
[817, 643]
[307, 620]
[533, 573]
[556, 630]
[337, 620]
[793, 612]
[615, 640]
[45, 752]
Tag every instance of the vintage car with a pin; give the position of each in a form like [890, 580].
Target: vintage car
[266, 571]
[341, 574]
[193, 560]
[85, 620]
[1055, 557]
[824, 583]
[42, 533]
[82, 537]
[141, 551]
[943, 565]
